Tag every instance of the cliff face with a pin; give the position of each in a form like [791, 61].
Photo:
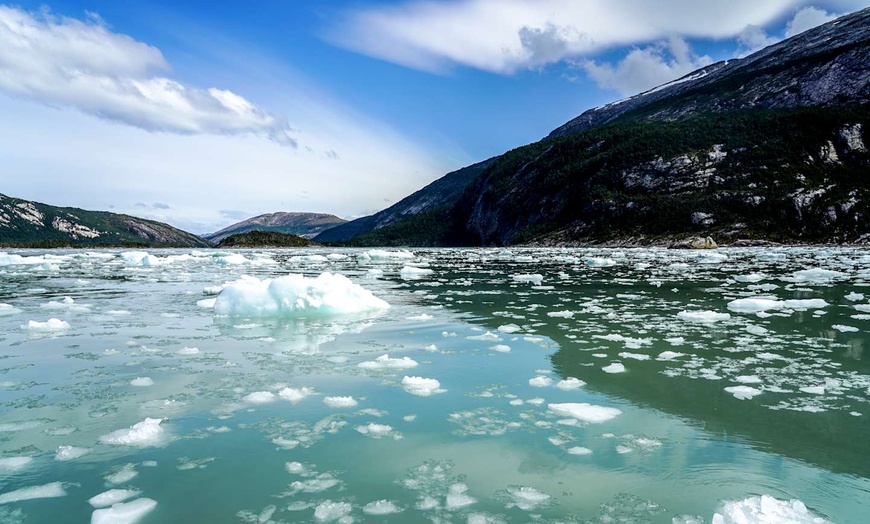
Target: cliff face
[26, 223]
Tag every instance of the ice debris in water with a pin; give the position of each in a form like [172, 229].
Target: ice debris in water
[187, 351]
[111, 497]
[329, 511]
[327, 294]
[458, 498]
[65, 453]
[414, 272]
[579, 450]
[766, 510]
[818, 275]
[52, 324]
[585, 412]
[340, 402]
[381, 507]
[13, 464]
[743, 392]
[145, 433]
[124, 512]
[760, 304]
[616, 367]
[295, 395]
[528, 278]
[422, 387]
[45, 491]
[570, 383]
[259, 397]
[385, 362]
[540, 381]
[703, 317]
[377, 430]
[142, 382]
[380, 254]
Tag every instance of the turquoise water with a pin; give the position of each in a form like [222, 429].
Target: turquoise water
[502, 332]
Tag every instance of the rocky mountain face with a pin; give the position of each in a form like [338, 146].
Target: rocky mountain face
[307, 225]
[436, 196]
[25, 223]
[769, 147]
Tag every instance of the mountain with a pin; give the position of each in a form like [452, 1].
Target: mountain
[265, 239]
[767, 147]
[30, 224]
[439, 194]
[303, 224]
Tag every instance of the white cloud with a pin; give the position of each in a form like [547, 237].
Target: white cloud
[753, 38]
[808, 18]
[505, 36]
[82, 64]
[645, 68]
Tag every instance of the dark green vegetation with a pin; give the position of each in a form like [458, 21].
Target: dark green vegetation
[31, 224]
[265, 239]
[302, 224]
[767, 147]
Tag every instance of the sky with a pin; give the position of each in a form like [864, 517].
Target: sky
[204, 113]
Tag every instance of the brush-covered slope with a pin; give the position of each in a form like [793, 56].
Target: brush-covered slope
[31, 224]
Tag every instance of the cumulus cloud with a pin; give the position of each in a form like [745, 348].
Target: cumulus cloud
[506, 36]
[62, 61]
[647, 67]
[808, 18]
[753, 38]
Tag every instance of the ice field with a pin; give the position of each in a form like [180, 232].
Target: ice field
[447, 386]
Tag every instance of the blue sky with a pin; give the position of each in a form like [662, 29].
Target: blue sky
[202, 113]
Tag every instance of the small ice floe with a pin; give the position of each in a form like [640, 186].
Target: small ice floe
[206, 303]
[385, 362]
[561, 314]
[535, 279]
[509, 328]
[14, 464]
[139, 258]
[765, 510]
[422, 387]
[585, 412]
[762, 304]
[327, 294]
[111, 497]
[501, 348]
[142, 382]
[527, 498]
[854, 297]
[65, 453]
[295, 395]
[578, 450]
[813, 390]
[124, 512]
[748, 379]
[489, 336]
[414, 272]
[751, 277]
[420, 318]
[599, 262]
[376, 431]
[669, 355]
[616, 367]
[458, 497]
[570, 383]
[340, 402]
[260, 397]
[381, 507]
[703, 317]
[378, 255]
[187, 352]
[145, 433]
[743, 392]
[818, 275]
[67, 304]
[845, 329]
[634, 356]
[50, 325]
[45, 491]
[7, 309]
[540, 381]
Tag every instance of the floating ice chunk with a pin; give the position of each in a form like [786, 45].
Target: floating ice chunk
[703, 317]
[422, 387]
[427, 504]
[854, 297]
[139, 258]
[259, 397]
[329, 511]
[752, 277]
[501, 348]
[376, 255]
[748, 379]
[675, 341]
[756, 330]
[327, 294]
[844, 329]
[385, 362]
[206, 303]
[457, 497]
[527, 498]
[488, 336]
[420, 318]
[760, 304]
[336, 256]
[561, 314]
[6, 309]
[570, 383]
[381, 507]
[529, 278]
[13, 464]
[765, 510]
[142, 382]
[509, 328]
[414, 272]
[46, 491]
[622, 450]
[124, 512]
[669, 355]
[65, 453]
[186, 352]
[743, 392]
[863, 307]
[295, 468]
[818, 275]
[111, 497]
[585, 412]
[635, 356]
[232, 260]
[540, 382]
[814, 390]
[145, 433]
[599, 262]
[340, 402]
[295, 395]
[579, 450]
[52, 324]
[315, 259]
[616, 367]
[375, 430]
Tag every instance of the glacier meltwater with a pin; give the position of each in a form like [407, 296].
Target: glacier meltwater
[435, 386]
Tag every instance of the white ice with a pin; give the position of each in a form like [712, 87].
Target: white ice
[385, 362]
[145, 433]
[45, 491]
[13, 464]
[585, 412]
[527, 498]
[259, 397]
[765, 510]
[381, 507]
[142, 382]
[422, 387]
[295, 395]
[703, 317]
[329, 511]
[540, 381]
[52, 324]
[111, 497]
[743, 392]
[570, 383]
[340, 402]
[616, 367]
[124, 512]
[65, 453]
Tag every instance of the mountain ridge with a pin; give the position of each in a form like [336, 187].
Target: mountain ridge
[295, 223]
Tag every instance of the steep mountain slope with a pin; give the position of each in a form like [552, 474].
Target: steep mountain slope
[265, 239]
[768, 147]
[436, 196]
[26, 223]
[303, 224]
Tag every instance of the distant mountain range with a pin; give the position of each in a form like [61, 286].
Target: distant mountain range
[770, 146]
[30, 224]
[305, 225]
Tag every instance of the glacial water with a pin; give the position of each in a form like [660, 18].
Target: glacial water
[575, 385]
